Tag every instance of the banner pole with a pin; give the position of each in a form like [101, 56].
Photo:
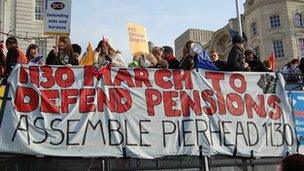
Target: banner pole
[239, 17]
[56, 42]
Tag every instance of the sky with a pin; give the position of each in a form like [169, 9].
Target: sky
[164, 20]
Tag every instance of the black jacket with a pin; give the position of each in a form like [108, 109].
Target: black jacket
[221, 65]
[236, 59]
[188, 63]
[173, 63]
[52, 59]
[257, 66]
[11, 59]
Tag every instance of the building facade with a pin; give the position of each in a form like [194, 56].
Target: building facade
[24, 19]
[275, 26]
[197, 35]
[221, 39]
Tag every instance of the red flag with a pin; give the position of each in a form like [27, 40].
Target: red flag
[272, 61]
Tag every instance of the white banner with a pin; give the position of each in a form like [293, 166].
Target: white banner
[145, 113]
[57, 17]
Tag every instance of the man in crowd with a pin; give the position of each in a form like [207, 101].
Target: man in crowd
[14, 55]
[254, 63]
[221, 65]
[169, 57]
[236, 60]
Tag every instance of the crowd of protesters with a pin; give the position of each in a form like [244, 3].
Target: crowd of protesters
[66, 53]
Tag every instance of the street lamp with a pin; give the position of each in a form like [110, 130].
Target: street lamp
[239, 17]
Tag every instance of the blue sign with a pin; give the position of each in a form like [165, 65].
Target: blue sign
[298, 107]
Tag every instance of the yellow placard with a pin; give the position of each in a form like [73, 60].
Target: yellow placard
[2, 90]
[138, 38]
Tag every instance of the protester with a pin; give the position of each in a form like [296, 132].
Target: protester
[157, 52]
[254, 63]
[301, 66]
[32, 51]
[105, 54]
[291, 72]
[77, 50]
[143, 60]
[2, 60]
[32, 54]
[268, 65]
[236, 58]
[168, 55]
[194, 59]
[188, 61]
[14, 55]
[63, 54]
[221, 65]
[293, 162]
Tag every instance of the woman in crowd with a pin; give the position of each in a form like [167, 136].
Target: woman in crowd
[188, 61]
[254, 63]
[105, 54]
[196, 57]
[157, 52]
[63, 54]
[32, 54]
[291, 71]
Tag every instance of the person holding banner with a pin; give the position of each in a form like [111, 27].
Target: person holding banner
[170, 58]
[196, 57]
[77, 50]
[254, 62]
[32, 54]
[157, 52]
[222, 65]
[236, 59]
[143, 60]
[14, 55]
[105, 54]
[63, 54]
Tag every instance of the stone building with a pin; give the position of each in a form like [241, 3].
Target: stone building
[197, 35]
[221, 39]
[271, 26]
[275, 26]
[24, 19]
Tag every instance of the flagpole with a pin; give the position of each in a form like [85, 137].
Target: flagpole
[239, 17]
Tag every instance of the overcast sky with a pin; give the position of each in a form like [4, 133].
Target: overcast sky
[165, 20]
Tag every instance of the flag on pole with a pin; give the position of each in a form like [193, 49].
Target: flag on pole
[88, 58]
[272, 61]
[204, 62]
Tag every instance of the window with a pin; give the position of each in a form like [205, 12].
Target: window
[278, 48]
[42, 46]
[256, 51]
[275, 21]
[39, 10]
[301, 47]
[254, 29]
[298, 19]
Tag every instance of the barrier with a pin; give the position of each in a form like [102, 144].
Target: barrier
[194, 162]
